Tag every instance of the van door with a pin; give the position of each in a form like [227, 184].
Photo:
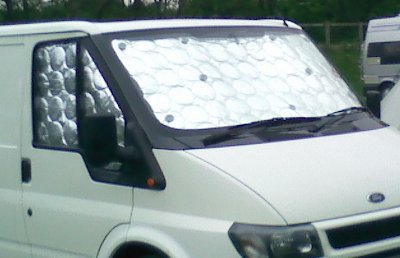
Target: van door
[67, 213]
[13, 242]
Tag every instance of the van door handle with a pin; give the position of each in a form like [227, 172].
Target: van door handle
[26, 173]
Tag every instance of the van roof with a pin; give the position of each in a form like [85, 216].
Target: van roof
[390, 23]
[105, 27]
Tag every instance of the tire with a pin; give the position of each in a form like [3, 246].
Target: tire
[133, 250]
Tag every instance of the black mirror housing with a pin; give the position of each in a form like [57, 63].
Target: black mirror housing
[374, 98]
[99, 146]
[98, 138]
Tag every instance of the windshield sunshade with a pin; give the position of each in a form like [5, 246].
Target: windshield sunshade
[228, 76]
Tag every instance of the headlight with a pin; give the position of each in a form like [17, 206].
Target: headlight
[253, 241]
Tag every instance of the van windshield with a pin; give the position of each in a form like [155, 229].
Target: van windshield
[218, 77]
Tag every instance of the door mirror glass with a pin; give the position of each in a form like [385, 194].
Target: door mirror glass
[98, 138]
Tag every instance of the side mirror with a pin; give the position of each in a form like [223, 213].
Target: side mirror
[98, 138]
[98, 141]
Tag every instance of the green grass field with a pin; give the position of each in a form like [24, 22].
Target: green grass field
[346, 59]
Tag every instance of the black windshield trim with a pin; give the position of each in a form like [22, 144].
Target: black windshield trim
[326, 126]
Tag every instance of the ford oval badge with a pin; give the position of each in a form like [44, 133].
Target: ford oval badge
[376, 197]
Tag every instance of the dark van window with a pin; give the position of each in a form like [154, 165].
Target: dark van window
[389, 52]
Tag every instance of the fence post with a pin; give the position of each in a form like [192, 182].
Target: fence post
[361, 31]
[327, 33]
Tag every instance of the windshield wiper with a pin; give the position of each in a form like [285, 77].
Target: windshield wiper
[346, 111]
[338, 116]
[236, 130]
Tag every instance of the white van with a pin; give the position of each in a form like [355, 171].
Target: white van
[188, 138]
[380, 59]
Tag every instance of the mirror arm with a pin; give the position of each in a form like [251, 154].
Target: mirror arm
[128, 153]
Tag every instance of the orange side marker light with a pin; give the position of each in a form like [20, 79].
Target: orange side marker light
[151, 182]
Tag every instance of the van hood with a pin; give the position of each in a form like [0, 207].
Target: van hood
[317, 179]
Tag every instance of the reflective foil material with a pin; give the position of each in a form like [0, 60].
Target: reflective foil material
[97, 97]
[55, 99]
[54, 103]
[203, 82]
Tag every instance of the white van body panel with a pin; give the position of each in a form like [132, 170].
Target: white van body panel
[312, 187]
[74, 206]
[13, 241]
[197, 208]
[183, 236]
[204, 191]
[93, 28]
[14, 249]
[114, 239]
[390, 107]
[178, 236]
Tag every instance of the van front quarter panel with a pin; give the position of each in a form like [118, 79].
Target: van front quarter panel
[196, 209]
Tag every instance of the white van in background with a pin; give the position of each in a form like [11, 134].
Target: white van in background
[188, 139]
[380, 59]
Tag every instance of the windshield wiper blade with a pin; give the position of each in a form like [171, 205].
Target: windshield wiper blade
[338, 116]
[349, 110]
[236, 130]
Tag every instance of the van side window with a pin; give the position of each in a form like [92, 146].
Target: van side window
[55, 95]
[388, 52]
[54, 99]
[97, 97]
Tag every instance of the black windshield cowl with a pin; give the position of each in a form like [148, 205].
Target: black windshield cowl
[238, 130]
[290, 127]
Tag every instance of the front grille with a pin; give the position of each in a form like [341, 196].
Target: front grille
[387, 254]
[364, 233]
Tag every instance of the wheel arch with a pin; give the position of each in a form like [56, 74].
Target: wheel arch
[138, 250]
[146, 240]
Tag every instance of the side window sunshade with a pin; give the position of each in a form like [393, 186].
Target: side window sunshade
[54, 95]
